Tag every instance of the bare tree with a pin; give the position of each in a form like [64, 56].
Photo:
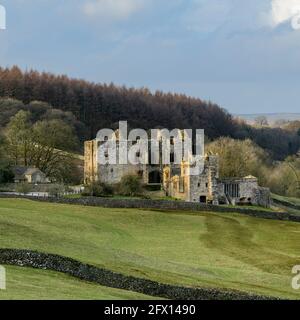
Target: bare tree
[261, 121]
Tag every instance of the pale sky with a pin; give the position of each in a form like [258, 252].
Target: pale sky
[242, 54]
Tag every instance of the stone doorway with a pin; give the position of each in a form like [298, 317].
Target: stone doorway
[203, 199]
[154, 177]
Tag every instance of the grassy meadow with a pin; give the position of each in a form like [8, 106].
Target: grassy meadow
[194, 249]
[32, 284]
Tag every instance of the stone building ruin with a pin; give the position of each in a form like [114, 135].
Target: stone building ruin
[176, 180]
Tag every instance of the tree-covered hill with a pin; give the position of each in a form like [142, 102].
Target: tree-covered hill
[101, 105]
[95, 106]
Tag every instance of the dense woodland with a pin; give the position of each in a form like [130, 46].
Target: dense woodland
[43, 115]
[87, 107]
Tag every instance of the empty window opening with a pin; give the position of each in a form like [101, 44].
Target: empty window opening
[154, 177]
[203, 199]
[232, 190]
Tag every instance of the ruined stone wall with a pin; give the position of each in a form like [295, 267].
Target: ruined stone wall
[206, 184]
[90, 161]
[113, 174]
[192, 188]
[263, 197]
[178, 188]
[195, 186]
[248, 189]
[199, 187]
[213, 175]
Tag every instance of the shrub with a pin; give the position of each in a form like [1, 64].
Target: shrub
[55, 190]
[153, 188]
[99, 189]
[6, 175]
[131, 185]
[283, 179]
[23, 187]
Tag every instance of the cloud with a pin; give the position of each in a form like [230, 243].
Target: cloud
[115, 10]
[208, 16]
[227, 15]
[284, 10]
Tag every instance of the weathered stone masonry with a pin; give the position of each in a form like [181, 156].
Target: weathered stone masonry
[176, 180]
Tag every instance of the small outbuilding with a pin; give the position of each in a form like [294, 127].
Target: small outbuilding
[29, 175]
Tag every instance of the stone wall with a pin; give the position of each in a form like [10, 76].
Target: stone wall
[249, 191]
[26, 258]
[195, 186]
[112, 174]
[96, 167]
[199, 185]
[90, 161]
[286, 204]
[264, 197]
[163, 205]
[248, 188]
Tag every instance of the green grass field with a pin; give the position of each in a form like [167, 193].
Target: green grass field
[195, 249]
[32, 284]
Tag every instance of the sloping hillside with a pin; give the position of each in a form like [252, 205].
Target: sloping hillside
[192, 249]
[33, 284]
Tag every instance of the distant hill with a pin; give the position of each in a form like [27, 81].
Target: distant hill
[271, 117]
